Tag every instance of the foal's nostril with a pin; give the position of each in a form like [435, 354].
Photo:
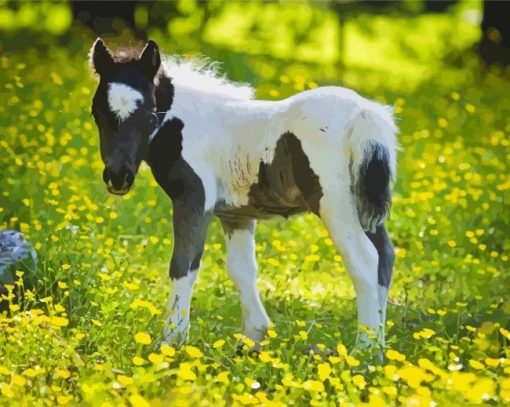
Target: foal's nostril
[129, 178]
[118, 180]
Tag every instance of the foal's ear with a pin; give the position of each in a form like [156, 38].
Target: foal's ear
[150, 60]
[100, 57]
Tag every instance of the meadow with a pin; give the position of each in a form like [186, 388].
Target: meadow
[88, 329]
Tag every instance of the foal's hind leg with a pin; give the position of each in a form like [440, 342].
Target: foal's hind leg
[360, 258]
[382, 243]
[242, 269]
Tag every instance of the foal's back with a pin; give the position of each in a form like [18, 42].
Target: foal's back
[264, 155]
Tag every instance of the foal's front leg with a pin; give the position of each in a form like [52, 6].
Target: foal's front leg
[242, 269]
[190, 227]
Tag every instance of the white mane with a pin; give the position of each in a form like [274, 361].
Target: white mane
[203, 75]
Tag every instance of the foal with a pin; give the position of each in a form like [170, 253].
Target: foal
[216, 151]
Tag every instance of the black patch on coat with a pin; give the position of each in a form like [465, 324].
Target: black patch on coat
[164, 92]
[230, 225]
[186, 190]
[382, 243]
[372, 190]
[285, 187]
[163, 156]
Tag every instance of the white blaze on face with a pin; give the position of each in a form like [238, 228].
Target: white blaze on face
[123, 99]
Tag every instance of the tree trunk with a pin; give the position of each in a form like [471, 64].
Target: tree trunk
[106, 17]
[495, 44]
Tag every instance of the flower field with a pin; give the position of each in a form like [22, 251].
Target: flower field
[88, 329]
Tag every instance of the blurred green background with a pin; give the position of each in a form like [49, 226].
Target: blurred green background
[405, 42]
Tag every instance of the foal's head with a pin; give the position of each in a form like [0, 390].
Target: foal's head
[124, 108]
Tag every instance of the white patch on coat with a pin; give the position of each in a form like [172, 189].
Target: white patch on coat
[203, 75]
[242, 269]
[123, 99]
[177, 324]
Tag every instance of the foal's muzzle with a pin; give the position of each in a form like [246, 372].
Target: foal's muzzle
[118, 182]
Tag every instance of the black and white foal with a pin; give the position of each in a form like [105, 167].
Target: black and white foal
[216, 151]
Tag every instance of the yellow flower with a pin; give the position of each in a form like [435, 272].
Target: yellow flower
[376, 401]
[138, 401]
[359, 381]
[476, 365]
[412, 375]
[156, 359]
[185, 372]
[130, 286]
[323, 370]
[63, 400]
[223, 377]
[59, 308]
[143, 338]
[390, 390]
[167, 350]
[194, 352]
[124, 380]
[138, 361]
[482, 389]
[313, 385]
[505, 333]
[245, 399]
[6, 390]
[491, 362]
[271, 333]
[265, 356]
[341, 349]
[352, 361]
[62, 373]
[470, 108]
[59, 321]
[19, 380]
[425, 333]
[428, 365]
[394, 355]
[252, 384]
[32, 372]
[334, 360]
[219, 343]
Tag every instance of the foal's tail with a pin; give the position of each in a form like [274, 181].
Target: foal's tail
[372, 145]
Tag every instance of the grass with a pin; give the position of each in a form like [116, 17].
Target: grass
[88, 331]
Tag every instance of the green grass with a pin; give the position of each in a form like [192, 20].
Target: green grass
[103, 275]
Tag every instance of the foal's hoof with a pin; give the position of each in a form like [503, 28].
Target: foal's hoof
[248, 349]
[173, 340]
[368, 355]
